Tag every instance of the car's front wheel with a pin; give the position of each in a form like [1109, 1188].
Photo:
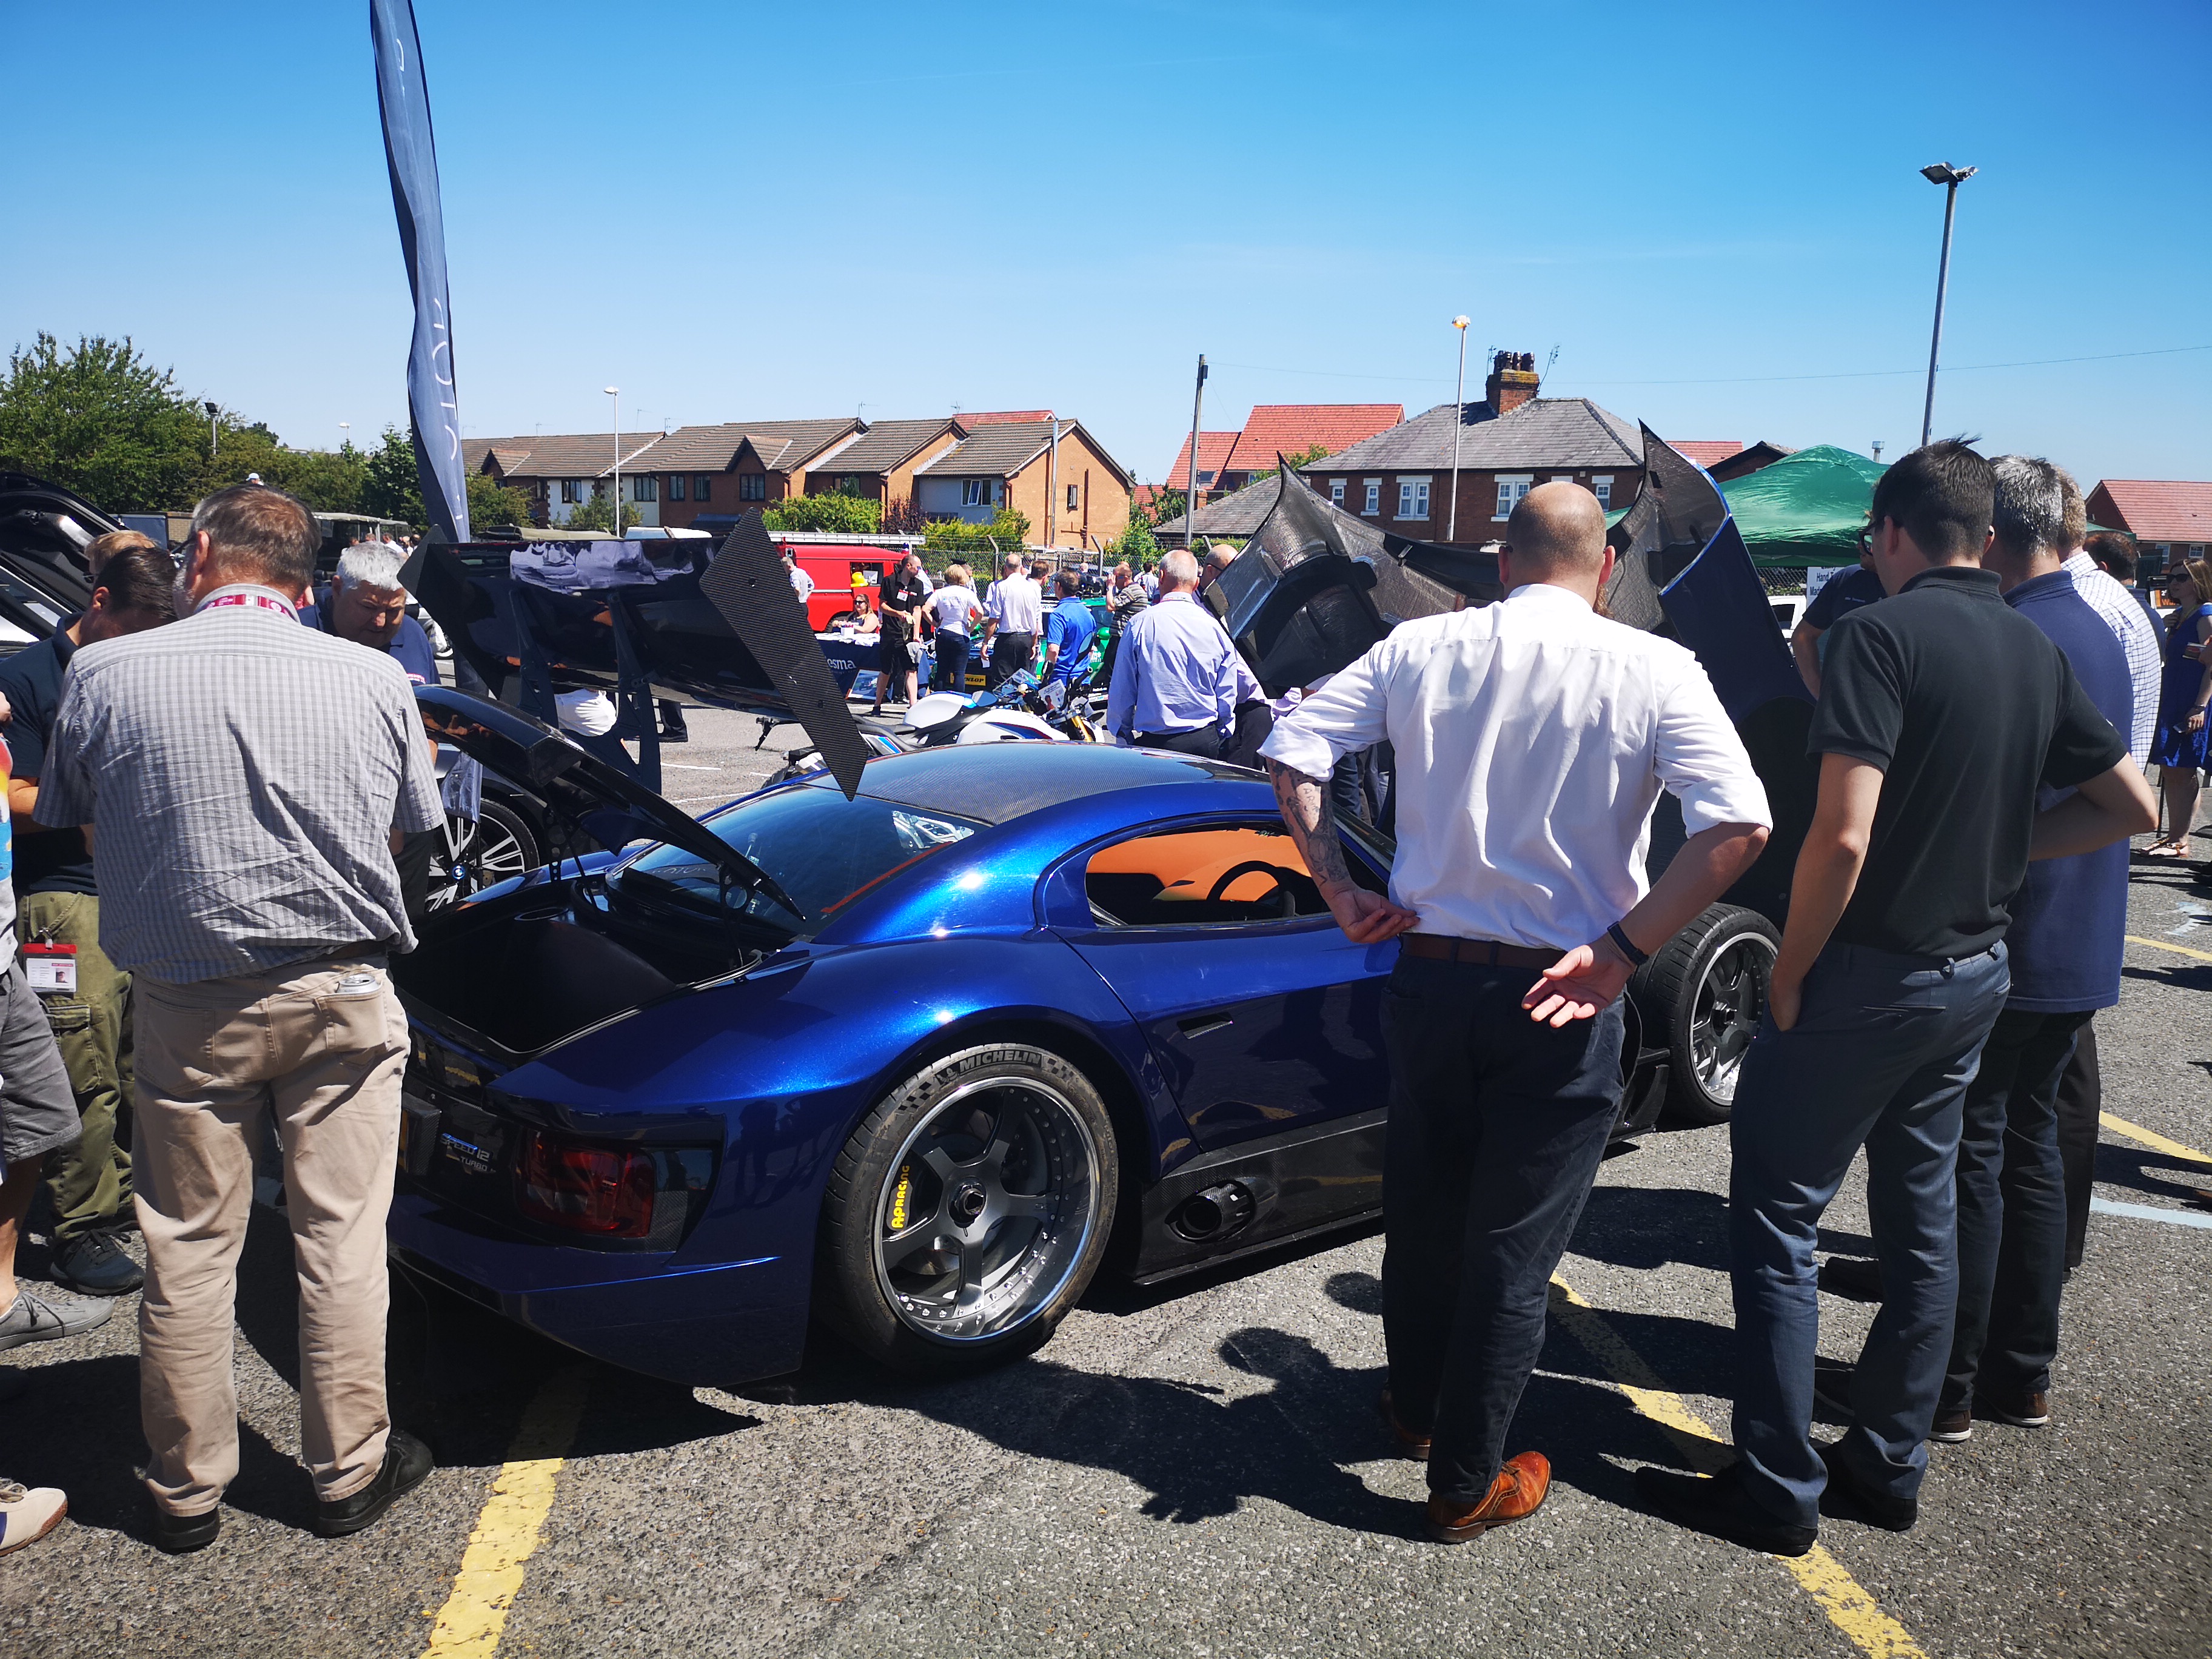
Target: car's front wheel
[1702, 995]
[969, 1209]
[473, 854]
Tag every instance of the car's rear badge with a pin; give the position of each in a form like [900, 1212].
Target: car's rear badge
[472, 1157]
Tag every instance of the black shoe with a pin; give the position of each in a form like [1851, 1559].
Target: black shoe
[181, 1534]
[1721, 1507]
[95, 1264]
[407, 1464]
[1849, 1498]
[1852, 1277]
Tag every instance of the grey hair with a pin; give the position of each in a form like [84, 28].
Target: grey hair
[1012, 561]
[1178, 567]
[2038, 505]
[369, 564]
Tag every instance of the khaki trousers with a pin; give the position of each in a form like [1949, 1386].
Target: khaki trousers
[319, 1045]
[89, 1185]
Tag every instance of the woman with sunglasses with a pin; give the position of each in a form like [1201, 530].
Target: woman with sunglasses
[2180, 749]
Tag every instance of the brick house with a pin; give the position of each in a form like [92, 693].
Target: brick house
[2170, 519]
[1227, 461]
[1078, 497]
[559, 471]
[1508, 443]
[709, 476]
[878, 463]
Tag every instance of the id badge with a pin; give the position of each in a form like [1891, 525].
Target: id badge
[51, 968]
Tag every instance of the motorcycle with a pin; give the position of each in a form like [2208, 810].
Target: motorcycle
[1019, 710]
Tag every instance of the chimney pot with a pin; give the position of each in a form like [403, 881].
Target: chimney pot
[1512, 380]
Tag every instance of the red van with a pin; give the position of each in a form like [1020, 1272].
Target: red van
[834, 567]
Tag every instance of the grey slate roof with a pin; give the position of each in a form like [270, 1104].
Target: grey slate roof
[1237, 513]
[560, 455]
[885, 445]
[997, 451]
[1544, 432]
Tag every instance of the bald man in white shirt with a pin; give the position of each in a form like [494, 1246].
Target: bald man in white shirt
[1532, 738]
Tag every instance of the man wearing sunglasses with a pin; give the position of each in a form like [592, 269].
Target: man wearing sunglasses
[1843, 595]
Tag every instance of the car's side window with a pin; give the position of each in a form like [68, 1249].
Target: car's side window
[1229, 872]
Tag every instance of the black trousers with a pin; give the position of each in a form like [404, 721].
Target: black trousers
[2012, 1212]
[1010, 655]
[1496, 1128]
[1199, 740]
[1256, 723]
[2081, 1104]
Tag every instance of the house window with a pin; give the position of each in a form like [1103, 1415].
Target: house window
[676, 481]
[1071, 497]
[646, 487]
[1413, 498]
[1374, 503]
[1512, 487]
[702, 487]
[975, 492]
[1602, 487]
[849, 484]
[753, 486]
[1205, 479]
[1336, 492]
[572, 490]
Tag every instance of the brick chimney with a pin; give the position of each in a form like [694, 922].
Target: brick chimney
[1512, 380]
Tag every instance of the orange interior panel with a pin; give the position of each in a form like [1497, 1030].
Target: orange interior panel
[1188, 865]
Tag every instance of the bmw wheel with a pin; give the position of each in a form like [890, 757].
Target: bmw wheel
[1702, 995]
[969, 1209]
[470, 856]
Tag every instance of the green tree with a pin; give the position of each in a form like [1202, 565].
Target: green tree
[1136, 543]
[98, 418]
[1305, 457]
[390, 488]
[1006, 531]
[491, 505]
[1165, 504]
[599, 513]
[841, 515]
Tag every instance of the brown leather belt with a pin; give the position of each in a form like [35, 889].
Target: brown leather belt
[1483, 953]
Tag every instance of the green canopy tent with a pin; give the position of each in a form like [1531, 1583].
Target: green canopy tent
[1805, 508]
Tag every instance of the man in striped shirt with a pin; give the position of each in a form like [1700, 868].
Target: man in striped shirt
[247, 780]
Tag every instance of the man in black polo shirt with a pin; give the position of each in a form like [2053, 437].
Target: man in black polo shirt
[1943, 714]
[89, 1184]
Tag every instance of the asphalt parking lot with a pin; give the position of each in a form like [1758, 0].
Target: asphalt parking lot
[1196, 1469]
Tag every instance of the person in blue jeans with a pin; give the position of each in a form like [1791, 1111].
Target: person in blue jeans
[1941, 714]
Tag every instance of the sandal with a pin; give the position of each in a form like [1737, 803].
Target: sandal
[2165, 849]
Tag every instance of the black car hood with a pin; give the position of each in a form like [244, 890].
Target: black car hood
[581, 786]
[44, 530]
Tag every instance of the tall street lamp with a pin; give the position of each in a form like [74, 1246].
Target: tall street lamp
[345, 433]
[1943, 174]
[615, 392]
[1459, 425]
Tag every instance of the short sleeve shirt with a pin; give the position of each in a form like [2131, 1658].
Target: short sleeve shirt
[46, 861]
[1841, 596]
[951, 606]
[1070, 626]
[1968, 710]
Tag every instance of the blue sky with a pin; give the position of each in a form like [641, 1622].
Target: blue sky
[737, 211]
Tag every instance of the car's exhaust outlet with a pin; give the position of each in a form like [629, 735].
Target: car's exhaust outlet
[1215, 1212]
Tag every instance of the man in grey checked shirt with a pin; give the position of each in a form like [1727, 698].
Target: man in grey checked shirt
[245, 780]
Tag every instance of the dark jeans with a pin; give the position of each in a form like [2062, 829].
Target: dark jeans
[1010, 655]
[951, 673]
[1199, 740]
[1880, 1056]
[2012, 1211]
[1356, 786]
[1256, 723]
[1496, 1128]
[2080, 1105]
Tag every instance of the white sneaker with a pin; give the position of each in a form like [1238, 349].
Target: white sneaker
[28, 1513]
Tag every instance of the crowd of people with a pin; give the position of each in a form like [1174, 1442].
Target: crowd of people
[217, 779]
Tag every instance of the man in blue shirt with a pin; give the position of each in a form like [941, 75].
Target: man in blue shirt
[1840, 597]
[2068, 921]
[366, 604]
[1068, 630]
[1175, 675]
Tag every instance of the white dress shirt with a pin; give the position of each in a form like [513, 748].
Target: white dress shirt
[1016, 605]
[2123, 614]
[1532, 738]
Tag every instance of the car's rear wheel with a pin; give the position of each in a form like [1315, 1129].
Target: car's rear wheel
[969, 1209]
[1702, 996]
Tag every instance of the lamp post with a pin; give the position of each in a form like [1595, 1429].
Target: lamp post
[346, 434]
[210, 407]
[615, 392]
[1190, 473]
[1943, 174]
[1459, 425]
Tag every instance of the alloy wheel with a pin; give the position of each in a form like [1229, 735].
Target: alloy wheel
[1730, 999]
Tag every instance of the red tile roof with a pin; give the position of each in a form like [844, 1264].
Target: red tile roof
[1706, 452]
[1213, 449]
[1274, 429]
[2156, 509]
[1001, 416]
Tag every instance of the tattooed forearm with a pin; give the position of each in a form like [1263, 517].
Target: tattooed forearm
[1310, 816]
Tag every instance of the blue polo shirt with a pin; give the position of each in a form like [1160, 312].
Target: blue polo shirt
[409, 647]
[2070, 915]
[1071, 627]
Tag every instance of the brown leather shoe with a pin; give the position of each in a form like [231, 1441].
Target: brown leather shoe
[1415, 1446]
[1518, 1492]
[2022, 1411]
[1953, 1426]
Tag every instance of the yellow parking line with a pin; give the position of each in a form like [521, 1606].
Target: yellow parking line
[1841, 1596]
[513, 1519]
[2160, 945]
[2150, 1138]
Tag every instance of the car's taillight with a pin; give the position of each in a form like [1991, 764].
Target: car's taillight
[606, 1191]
